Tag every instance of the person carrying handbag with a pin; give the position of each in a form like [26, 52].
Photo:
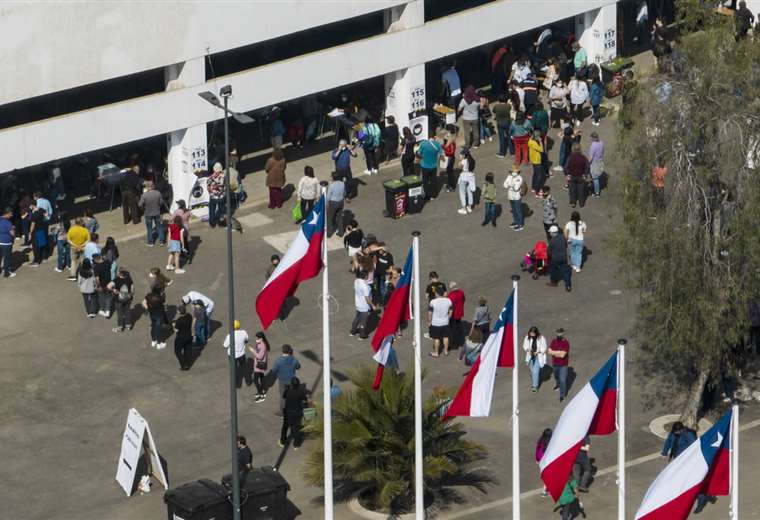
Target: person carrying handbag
[259, 353]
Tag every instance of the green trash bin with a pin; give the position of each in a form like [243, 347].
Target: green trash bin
[395, 198]
[415, 194]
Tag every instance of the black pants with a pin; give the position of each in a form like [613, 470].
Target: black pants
[359, 325]
[407, 165]
[577, 191]
[291, 422]
[258, 380]
[582, 469]
[451, 178]
[90, 303]
[182, 350]
[306, 207]
[333, 209]
[560, 269]
[430, 182]
[242, 372]
[123, 314]
[457, 336]
[39, 253]
[546, 230]
[539, 177]
[348, 179]
[370, 157]
[105, 299]
[129, 207]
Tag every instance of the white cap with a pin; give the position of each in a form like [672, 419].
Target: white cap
[553, 230]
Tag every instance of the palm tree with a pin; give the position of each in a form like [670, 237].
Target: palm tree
[373, 448]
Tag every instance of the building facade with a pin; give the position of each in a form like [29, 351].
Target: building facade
[145, 63]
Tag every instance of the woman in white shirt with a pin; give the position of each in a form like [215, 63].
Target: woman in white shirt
[534, 346]
[466, 182]
[307, 191]
[578, 97]
[574, 232]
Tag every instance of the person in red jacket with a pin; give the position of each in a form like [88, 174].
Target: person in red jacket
[456, 295]
[576, 170]
[450, 152]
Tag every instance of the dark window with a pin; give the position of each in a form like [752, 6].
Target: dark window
[440, 8]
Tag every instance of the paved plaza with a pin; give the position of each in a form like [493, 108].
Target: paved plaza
[68, 381]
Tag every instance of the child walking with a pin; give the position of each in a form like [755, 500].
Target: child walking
[177, 243]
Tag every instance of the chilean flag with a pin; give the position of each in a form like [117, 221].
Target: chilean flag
[702, 468]
[302, 261]
[591, 412]
[474, 397]
[395, 313]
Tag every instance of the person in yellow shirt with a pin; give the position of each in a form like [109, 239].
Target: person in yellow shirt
[77, 236]
[536, 157]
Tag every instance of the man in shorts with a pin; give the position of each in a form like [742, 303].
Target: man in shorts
[439, 313]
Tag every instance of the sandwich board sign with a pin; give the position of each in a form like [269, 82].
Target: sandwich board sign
[137, 437]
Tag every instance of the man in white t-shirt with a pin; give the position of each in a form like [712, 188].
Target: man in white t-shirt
[363, 304]
[241, 340]
[439, 312]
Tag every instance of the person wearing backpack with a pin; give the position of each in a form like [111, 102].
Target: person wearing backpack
[122, 288]
[514, 185]
[370, 141]
[534, 346]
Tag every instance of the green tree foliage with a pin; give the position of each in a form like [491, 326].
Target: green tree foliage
[373, 448]
[696, 261]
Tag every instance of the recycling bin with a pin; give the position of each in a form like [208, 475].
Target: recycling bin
[395, 198]
[199, 500]
[415, 193]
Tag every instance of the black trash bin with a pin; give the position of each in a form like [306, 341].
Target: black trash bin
[263, 494]
[395, 198]
[199, 500]
[415, 193]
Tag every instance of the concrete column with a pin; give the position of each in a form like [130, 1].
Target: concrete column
[596, 32]
[404, 89]
[187, 152]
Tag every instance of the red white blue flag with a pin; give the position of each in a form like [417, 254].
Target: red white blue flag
[591, 412]
[302, 261]
[702, 468]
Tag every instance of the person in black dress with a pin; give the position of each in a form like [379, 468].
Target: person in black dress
[183, 339]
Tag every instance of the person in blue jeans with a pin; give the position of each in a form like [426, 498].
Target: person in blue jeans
[559, 350]
[7, 236]
[501, 114]
[285, 370]
[514, 184]
[534, 346]
[595, 97]
[575, 230]
[62, 244]
[203, 307]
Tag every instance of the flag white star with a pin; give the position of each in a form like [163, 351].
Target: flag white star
[314, 219]
[718, 442]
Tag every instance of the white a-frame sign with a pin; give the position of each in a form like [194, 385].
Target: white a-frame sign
[137, 437]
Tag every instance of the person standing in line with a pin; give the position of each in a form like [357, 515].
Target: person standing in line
[336, 193]
[370, 142]
[86, 282]
[596, 162]
[466, 182]
[111, 253]
[363, 305]
[439, 314]
[558, 103]
[7, 236]
[457, 298]
[576, 169]
[122, 289]
[536, 157]
[295, 401]
[275, 169]
[217, 192]
[202, 325]
[183, 213]
[489, 200]
[408, 142]
[534, 346]
[449, 152]
[549, 216]
[307, 191]
[429, 152]
[342, 157]
[39, 235]
[558, 268]
[62, 244]
[390, 137]
[154, 304]
[501, 113]
[177, 244]
[130, 186]
[578, 98]
[580, 58]
[575, 229]
[520, 131]
[468, 111]
[481, 318]
[259, 353]
[102, 269]
[285, 370]
[383, 261]
[90, 222]
[183, 336]
[595, 97]
[91, 248]
[514, 183]
[541, 444]
[451, 85]
[241, 341]
[78, 237]
[559, 350]
[151, 202]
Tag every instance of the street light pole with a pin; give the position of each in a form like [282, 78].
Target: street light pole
[226, 92]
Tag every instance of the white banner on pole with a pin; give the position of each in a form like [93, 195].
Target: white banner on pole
[137, 436]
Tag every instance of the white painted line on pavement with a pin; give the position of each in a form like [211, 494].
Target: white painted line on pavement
[281, 241]
[536, 492]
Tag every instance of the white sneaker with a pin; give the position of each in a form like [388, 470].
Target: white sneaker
[102, 313]
[161, 345]
[367, 172]
[374, 171]
[469, 209]
[170, 268]
[558, 168]
[462, 211]
[153, 343]
[180, 271]
[58, 270]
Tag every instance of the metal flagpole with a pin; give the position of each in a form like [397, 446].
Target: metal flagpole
[735, 462]
[419, 484]
[326, 395]
[515, 410]
[621, 428]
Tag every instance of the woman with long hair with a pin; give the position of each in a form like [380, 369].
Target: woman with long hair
[575, 230]
[534, 346]
[87, 286]
[541, 444]
[407, 151]
[469, 110]
[466, 182]
[111, 253]
[275, 170]
[260, 354]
